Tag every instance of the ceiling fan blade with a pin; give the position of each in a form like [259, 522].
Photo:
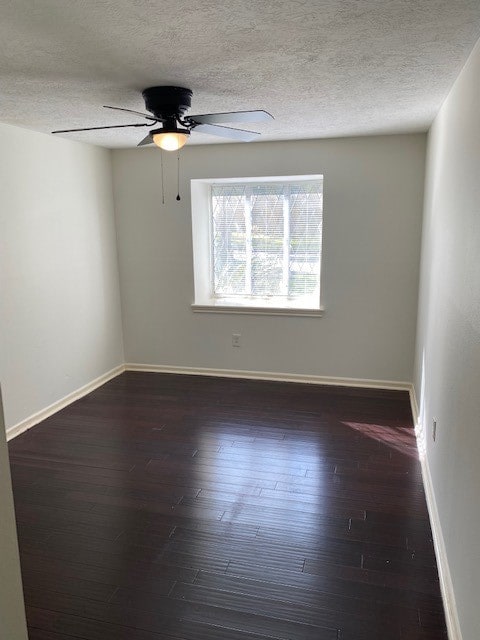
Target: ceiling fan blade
[226, 132]
[113, 126]
[232, 116]
[138, 113]
[146, 140]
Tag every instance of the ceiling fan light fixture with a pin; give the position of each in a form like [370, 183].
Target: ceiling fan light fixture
[170, 140]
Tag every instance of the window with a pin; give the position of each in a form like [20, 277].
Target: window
[257, 244]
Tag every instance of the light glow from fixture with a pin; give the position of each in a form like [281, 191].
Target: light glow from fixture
[170, 140]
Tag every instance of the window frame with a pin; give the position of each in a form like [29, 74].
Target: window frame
[205, 300]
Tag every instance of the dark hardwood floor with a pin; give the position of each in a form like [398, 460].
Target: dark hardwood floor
[174, 507]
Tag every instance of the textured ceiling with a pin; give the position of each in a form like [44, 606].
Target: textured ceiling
[322, 67]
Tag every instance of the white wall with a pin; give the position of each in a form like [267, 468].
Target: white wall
[373, 207]
[60, 322]
[447, 370]
[12, 611]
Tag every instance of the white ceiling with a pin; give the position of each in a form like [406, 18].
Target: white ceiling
[323, 68]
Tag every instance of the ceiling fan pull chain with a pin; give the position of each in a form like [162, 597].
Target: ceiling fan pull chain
[163, 181]
[178, 175]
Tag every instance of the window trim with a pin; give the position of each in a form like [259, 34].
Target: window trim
[204, 299]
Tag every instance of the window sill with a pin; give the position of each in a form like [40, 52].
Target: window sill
[253, 310]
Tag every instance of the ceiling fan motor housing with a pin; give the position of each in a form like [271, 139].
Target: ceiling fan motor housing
[167, 102]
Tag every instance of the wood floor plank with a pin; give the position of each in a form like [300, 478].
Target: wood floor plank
[164, 507]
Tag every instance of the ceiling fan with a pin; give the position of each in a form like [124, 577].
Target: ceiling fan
[168, 106]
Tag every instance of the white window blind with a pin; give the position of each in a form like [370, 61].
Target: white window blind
[266, 239]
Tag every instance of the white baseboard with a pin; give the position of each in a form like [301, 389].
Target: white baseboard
[34, 419]
[268, 375]
[446, 584]
[417, 423]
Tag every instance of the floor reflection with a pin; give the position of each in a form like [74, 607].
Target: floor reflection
[401, 439]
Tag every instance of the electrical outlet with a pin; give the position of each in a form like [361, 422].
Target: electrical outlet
[235, 339]
[434, 429]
